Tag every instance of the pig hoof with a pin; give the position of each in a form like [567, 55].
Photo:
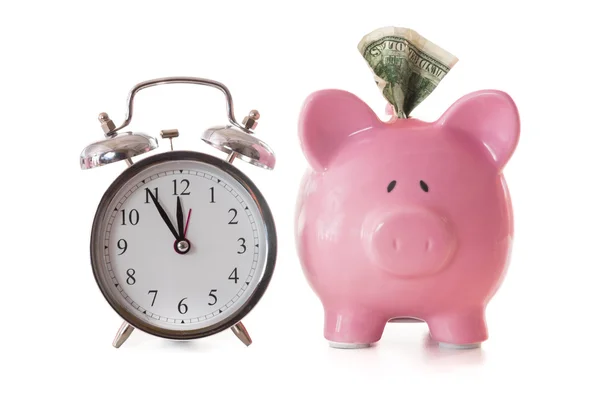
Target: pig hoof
[459, 346]
[337, 345]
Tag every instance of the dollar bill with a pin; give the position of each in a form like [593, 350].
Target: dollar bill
[407, 67]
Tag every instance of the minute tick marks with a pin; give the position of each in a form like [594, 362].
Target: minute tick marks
[168, 215]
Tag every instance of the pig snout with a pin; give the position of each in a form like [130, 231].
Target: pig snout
[409, 242]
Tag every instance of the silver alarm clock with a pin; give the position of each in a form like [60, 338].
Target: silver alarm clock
[183, 244]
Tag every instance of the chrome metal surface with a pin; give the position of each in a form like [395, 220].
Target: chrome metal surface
[231, 157]
[251, 120]
[247, 147]
[169, 134]
[120, 147]
[122, 334]
[240, 331]
[107, 124]
[179, 79]
[103, 278]
[183, 246]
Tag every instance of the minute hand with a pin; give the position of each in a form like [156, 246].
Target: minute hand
[180, 219]
[163, 214]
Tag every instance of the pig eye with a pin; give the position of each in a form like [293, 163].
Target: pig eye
[424, 186]
[391, 186]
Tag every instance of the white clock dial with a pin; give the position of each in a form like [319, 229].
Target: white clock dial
[201, 282]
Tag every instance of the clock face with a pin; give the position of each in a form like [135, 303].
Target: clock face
[181, 246]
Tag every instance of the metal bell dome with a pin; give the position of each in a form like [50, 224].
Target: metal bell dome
[245, 146]
[119, 147]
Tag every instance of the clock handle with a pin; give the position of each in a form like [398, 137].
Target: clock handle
[177, 79]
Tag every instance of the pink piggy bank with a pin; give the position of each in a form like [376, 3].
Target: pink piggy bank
[405, 219]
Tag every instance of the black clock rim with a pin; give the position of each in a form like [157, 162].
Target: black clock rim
[269, 225]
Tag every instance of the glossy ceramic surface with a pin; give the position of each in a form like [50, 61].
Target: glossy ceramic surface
[405, 218]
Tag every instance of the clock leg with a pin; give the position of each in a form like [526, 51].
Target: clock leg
[122, 334]
[240, 331]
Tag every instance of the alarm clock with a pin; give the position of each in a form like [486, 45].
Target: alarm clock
[183, 244]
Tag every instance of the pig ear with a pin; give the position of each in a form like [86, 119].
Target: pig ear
[489, 116]
[327, 119]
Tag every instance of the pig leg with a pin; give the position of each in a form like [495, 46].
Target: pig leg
[350, 329]
[465, 329]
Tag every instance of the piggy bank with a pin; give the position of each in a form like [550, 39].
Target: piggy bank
[405, 219]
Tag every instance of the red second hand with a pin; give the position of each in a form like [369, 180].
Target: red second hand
[187, 223]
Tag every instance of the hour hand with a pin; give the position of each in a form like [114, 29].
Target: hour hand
[163, 214]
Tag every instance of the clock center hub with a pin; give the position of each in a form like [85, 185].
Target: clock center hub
[182, 246]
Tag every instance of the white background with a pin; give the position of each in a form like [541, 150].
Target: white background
[64, 62]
